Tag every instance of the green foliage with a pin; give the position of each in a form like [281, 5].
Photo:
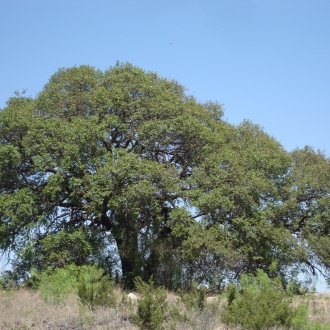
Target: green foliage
[151, 307]
[196, 298]
[302, 322]
[126, 158]
[88, 282]
[300, 319]
[56, 285]
[66, 248]
[33, 282]
[257, 304]
[95, 289]
[8, 280]
[294, 288]
[231, 292]
[176, 315]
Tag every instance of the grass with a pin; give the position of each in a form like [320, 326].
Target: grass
[24, 309]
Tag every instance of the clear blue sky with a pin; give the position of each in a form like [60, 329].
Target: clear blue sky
[265, 60]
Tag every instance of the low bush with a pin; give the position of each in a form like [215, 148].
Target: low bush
[95, 289]
[195, 299]
[57, 284]
[152, 307]
[257, 303]
[301, 321]
[88, 282]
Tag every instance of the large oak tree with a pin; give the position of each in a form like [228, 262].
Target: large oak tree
[126, 159]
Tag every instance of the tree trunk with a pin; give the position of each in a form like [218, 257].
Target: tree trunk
[129, 256]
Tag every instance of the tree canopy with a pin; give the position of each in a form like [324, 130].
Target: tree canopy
[123, 168]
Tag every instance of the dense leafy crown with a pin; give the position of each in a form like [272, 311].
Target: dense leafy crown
[124, 168]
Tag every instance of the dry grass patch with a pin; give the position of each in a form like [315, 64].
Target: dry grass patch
[319, 307]
[23, 309]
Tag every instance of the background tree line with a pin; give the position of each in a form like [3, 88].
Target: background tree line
[124, 169]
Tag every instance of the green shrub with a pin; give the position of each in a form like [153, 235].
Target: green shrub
[56, 285]
[151, 307]
[95, 289]
[257, 304]
[301, 322]
[33, 282]
[88, 282]
[175, 315]
[195, 299]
